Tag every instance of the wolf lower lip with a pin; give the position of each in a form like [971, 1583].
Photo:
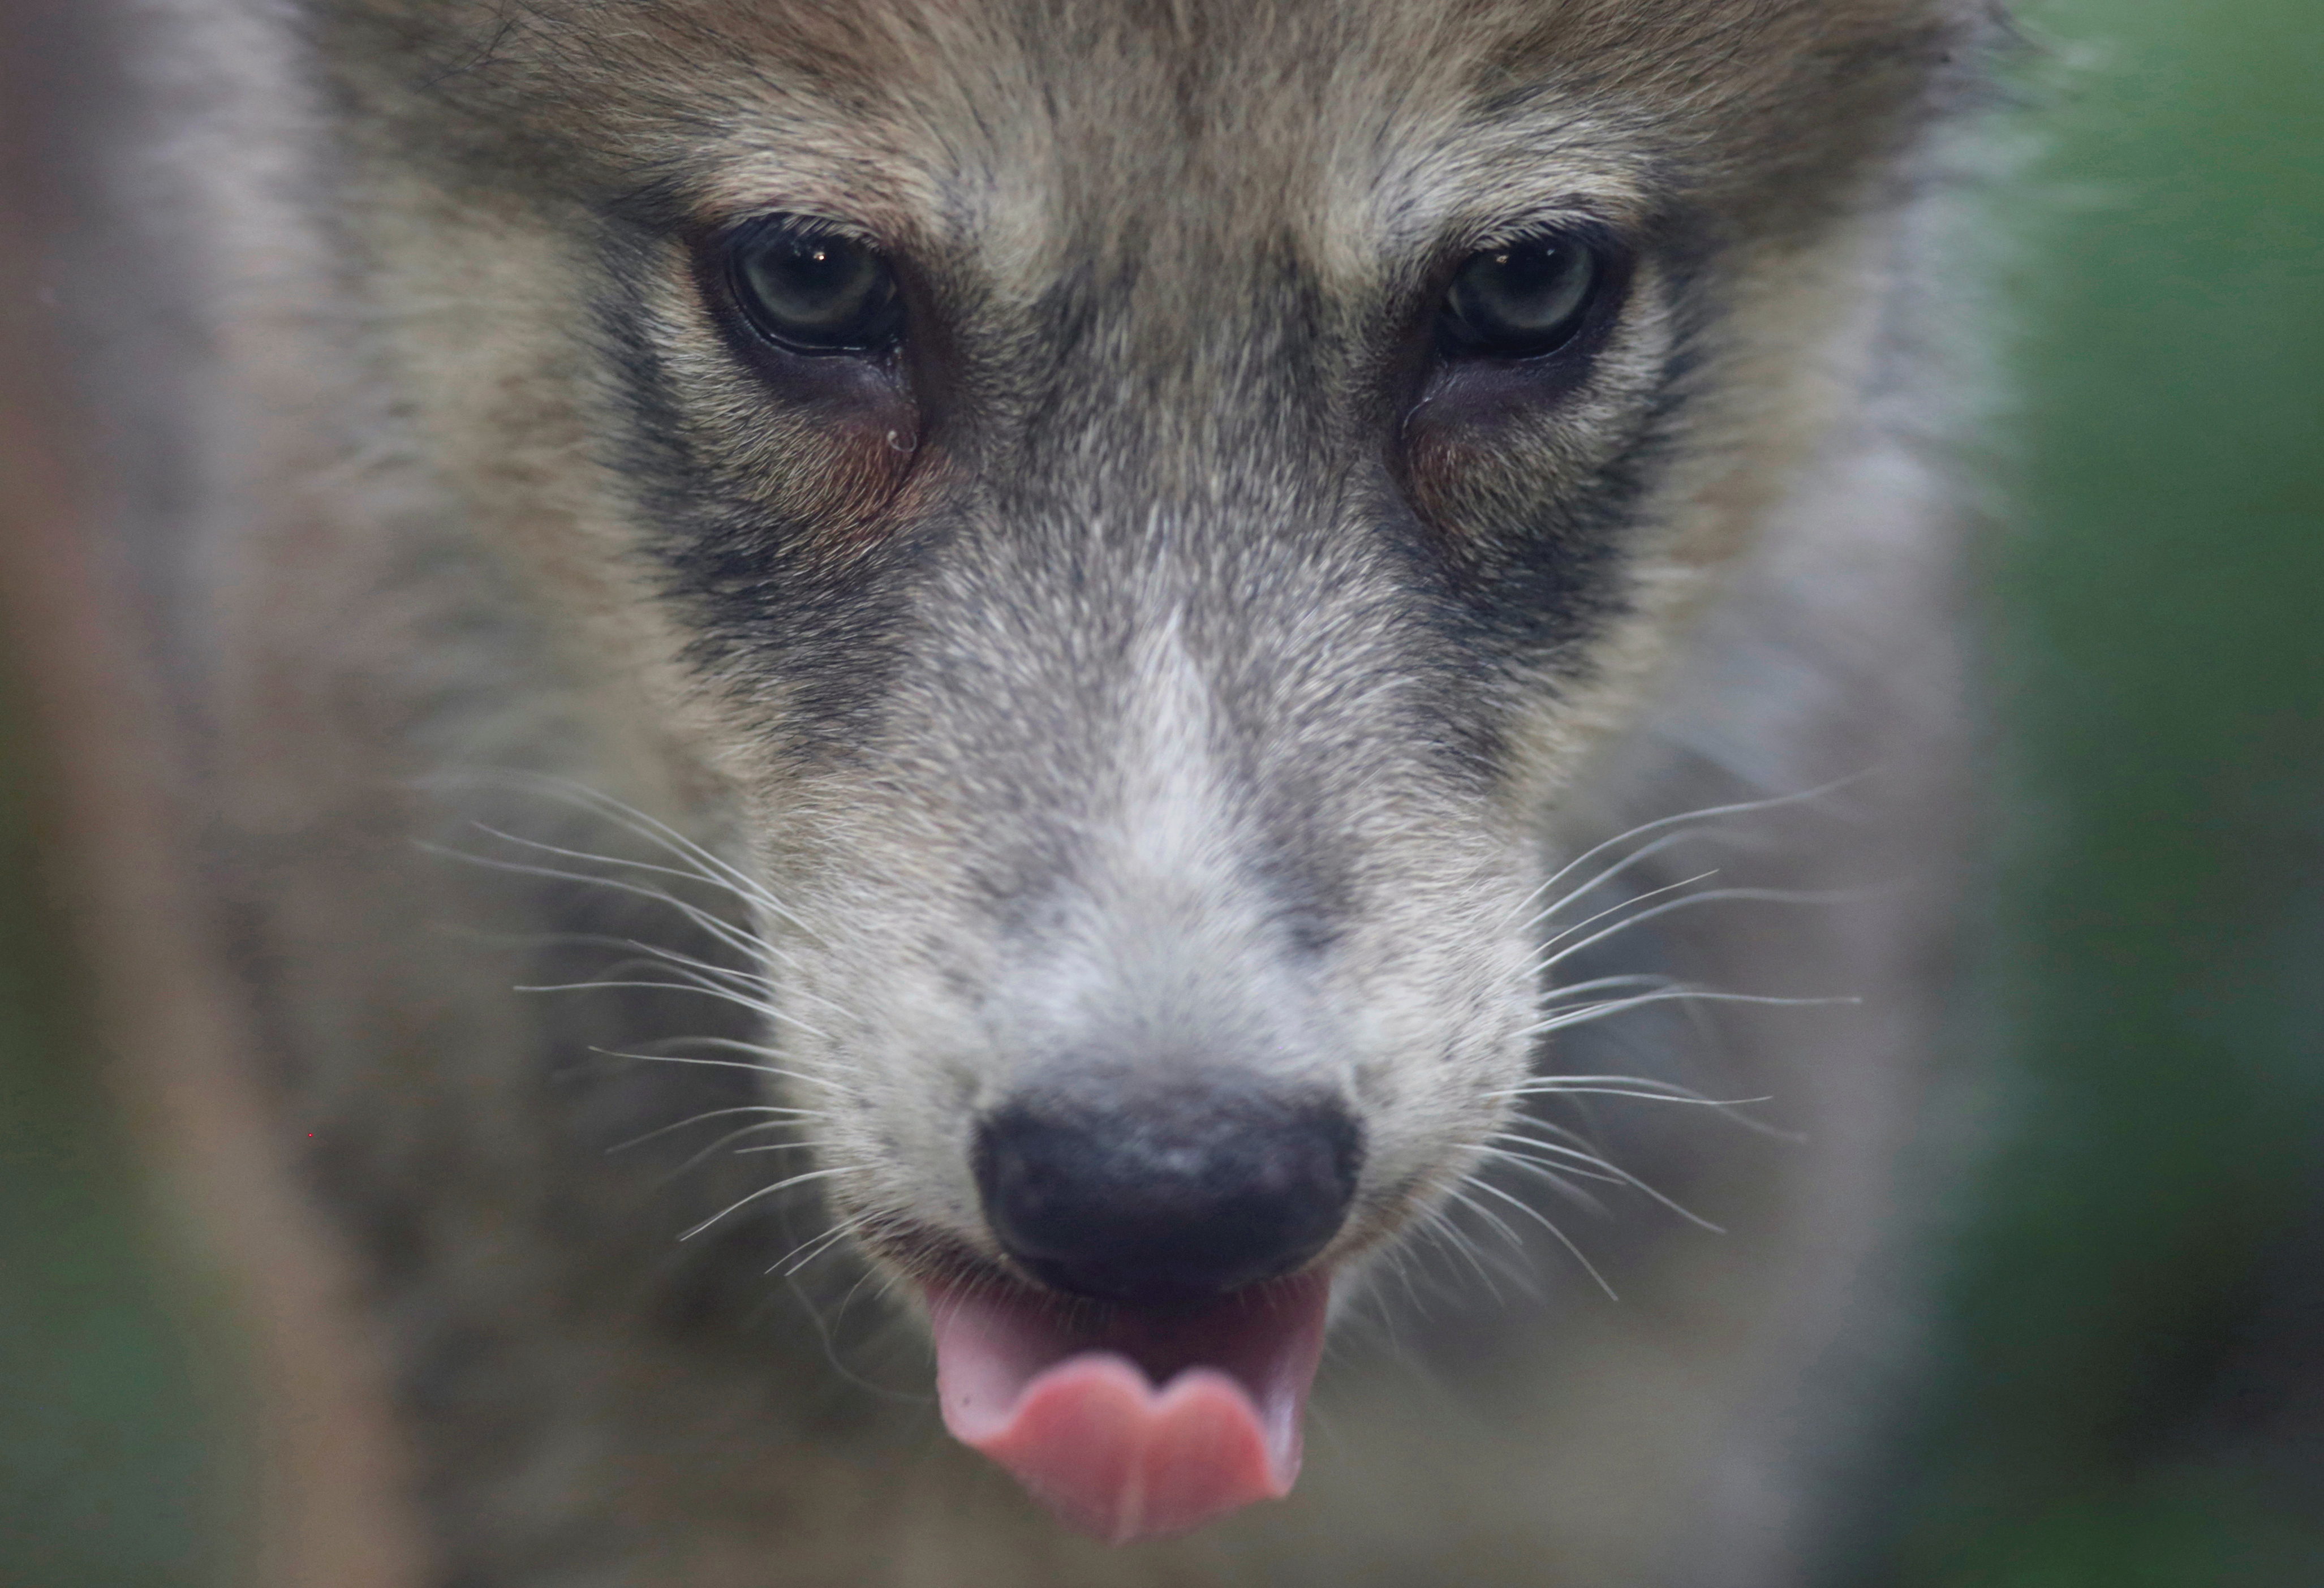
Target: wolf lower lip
[1126, 1423]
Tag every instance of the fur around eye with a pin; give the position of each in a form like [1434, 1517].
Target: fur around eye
[810, 289]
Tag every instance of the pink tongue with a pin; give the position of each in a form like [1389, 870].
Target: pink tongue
[1069, 1404]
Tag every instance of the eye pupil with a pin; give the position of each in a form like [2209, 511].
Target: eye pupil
[1522, 300]
[811, 291]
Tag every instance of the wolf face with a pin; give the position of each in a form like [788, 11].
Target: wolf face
[1136, 512]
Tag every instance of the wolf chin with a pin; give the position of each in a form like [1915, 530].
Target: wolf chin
[942, 740]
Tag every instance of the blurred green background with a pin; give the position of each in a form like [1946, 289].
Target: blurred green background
[2131, 1344]
[2133, 1383]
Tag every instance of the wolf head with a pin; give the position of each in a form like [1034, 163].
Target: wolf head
[1138, 510]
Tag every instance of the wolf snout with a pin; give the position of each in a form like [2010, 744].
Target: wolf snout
[1170, 1194]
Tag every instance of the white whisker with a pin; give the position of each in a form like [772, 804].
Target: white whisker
[815, 1246]
[1548, 1089]
[1674, 1088]
[1542, 1220]
[656, 952]
[724, 1063]
[1601, 984]
[1440, 1226]
[1641, 1089]
[768, 1108]
[1599, 1011]
[649, 957]
[756, 1005]
[1592, 1161]
[711, 1152]
[784, 1185]
[747, 943]
[1614, 909]
[1510, 1155]
[1609, 873]
[1707, 813]
[709, 866]
[591, 856]
[1500, 1225]
[1560, 1179]
[1717, 895]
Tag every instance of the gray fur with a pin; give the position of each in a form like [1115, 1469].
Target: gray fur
[1138, 682]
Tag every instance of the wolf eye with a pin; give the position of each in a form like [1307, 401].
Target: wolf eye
[1521, 299]
[811, 289]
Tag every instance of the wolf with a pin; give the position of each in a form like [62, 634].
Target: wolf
[940, 742]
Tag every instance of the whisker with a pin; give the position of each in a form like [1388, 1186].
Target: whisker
[1509, 1155]
[807, 1250]
[1395, 1257]
[1717, 895]
[701, 974]
[784, 1185]
[649, 957]
[1707, 813]
[656, 1133]
[756, 1005]
[716, 868]
[1558, 1091]
[1594, 1161]
[1600, 984]
[591, 856]
[1615, 908]
[709, 866]
[1440, 1226]
[1542, 1220]
[1666, 842]
[713, 1150]
[1563, 1132]
[749, 944]
[1641, 1089]
[1676, 1090]
[1599, 1011]
[1460, 1194]
[1561, 1180]
[724, 1063]
[659, 953]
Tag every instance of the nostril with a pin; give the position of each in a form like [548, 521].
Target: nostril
[1149, 1195]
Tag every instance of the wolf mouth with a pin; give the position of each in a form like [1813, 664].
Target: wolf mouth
[1132, 1422]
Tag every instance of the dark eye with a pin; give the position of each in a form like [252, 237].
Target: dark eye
[1522, 298]
[811, 289]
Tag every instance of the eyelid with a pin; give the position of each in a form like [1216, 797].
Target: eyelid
[1539, 225]
[799, 223]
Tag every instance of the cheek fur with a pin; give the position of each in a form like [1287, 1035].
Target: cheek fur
[1476, 480]
[1440, 461]
[856, 478]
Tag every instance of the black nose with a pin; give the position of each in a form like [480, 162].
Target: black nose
[1158, 1194]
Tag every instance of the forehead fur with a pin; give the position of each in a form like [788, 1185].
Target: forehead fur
[911, 114]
